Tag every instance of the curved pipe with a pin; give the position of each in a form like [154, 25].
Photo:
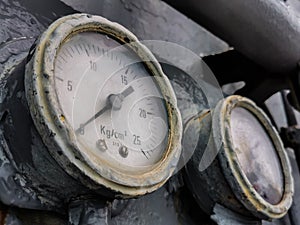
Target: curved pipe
[266, 31]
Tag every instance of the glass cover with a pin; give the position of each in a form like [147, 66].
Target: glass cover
[257, 155]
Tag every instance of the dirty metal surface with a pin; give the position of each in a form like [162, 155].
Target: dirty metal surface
[21, 23]
[223, 216]
[58, 135]
[267, 32]
[232, 191]
[31, 177]
[295, 210]
[3, 216]
[29, 217]
[247, 193]
[260, 84]
[279, 108]
[154, 20]
[160, 207]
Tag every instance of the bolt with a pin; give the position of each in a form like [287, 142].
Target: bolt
[123, 150]
[101, 144]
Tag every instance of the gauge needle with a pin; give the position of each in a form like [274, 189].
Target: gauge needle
[113, 101]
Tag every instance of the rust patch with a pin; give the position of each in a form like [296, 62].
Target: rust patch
[62, 118]
[3, 215]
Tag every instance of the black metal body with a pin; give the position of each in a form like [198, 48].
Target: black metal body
[267, 32]
[276, 53]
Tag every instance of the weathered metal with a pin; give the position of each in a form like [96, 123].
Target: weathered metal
[154, 20]
[253, 201]
[267, 32]
[291, 137]
[224, 216]
[160, 204]
[3, 215]
[30, 176]
[57, 133]
[226, 182]
[22, 23]
[260, 84]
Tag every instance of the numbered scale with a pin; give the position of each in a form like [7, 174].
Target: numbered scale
[103, 106]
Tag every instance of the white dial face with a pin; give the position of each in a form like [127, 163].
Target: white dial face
[111, 102]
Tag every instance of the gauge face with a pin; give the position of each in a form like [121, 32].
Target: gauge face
[257, 155]
[103, 106]
[111, 102]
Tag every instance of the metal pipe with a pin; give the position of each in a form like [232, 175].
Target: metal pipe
[267, 32]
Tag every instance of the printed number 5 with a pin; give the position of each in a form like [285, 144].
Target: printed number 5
[69, 85]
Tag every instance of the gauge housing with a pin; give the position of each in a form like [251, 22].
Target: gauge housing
[58, 135]
[231, 166]
[224, 181]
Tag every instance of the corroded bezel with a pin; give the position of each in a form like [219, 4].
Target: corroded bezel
[58, 135]
[237, 179]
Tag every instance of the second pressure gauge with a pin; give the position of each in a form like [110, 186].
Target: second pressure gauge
[103, 106]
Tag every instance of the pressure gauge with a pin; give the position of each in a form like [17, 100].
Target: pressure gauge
[103, 106]
[251, 174]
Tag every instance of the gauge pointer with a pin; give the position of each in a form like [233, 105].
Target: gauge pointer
[113, 101]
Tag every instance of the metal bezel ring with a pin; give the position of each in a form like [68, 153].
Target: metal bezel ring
[239, 183]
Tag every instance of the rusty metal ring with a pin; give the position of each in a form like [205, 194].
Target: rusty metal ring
[231, 167]
[57, 133]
